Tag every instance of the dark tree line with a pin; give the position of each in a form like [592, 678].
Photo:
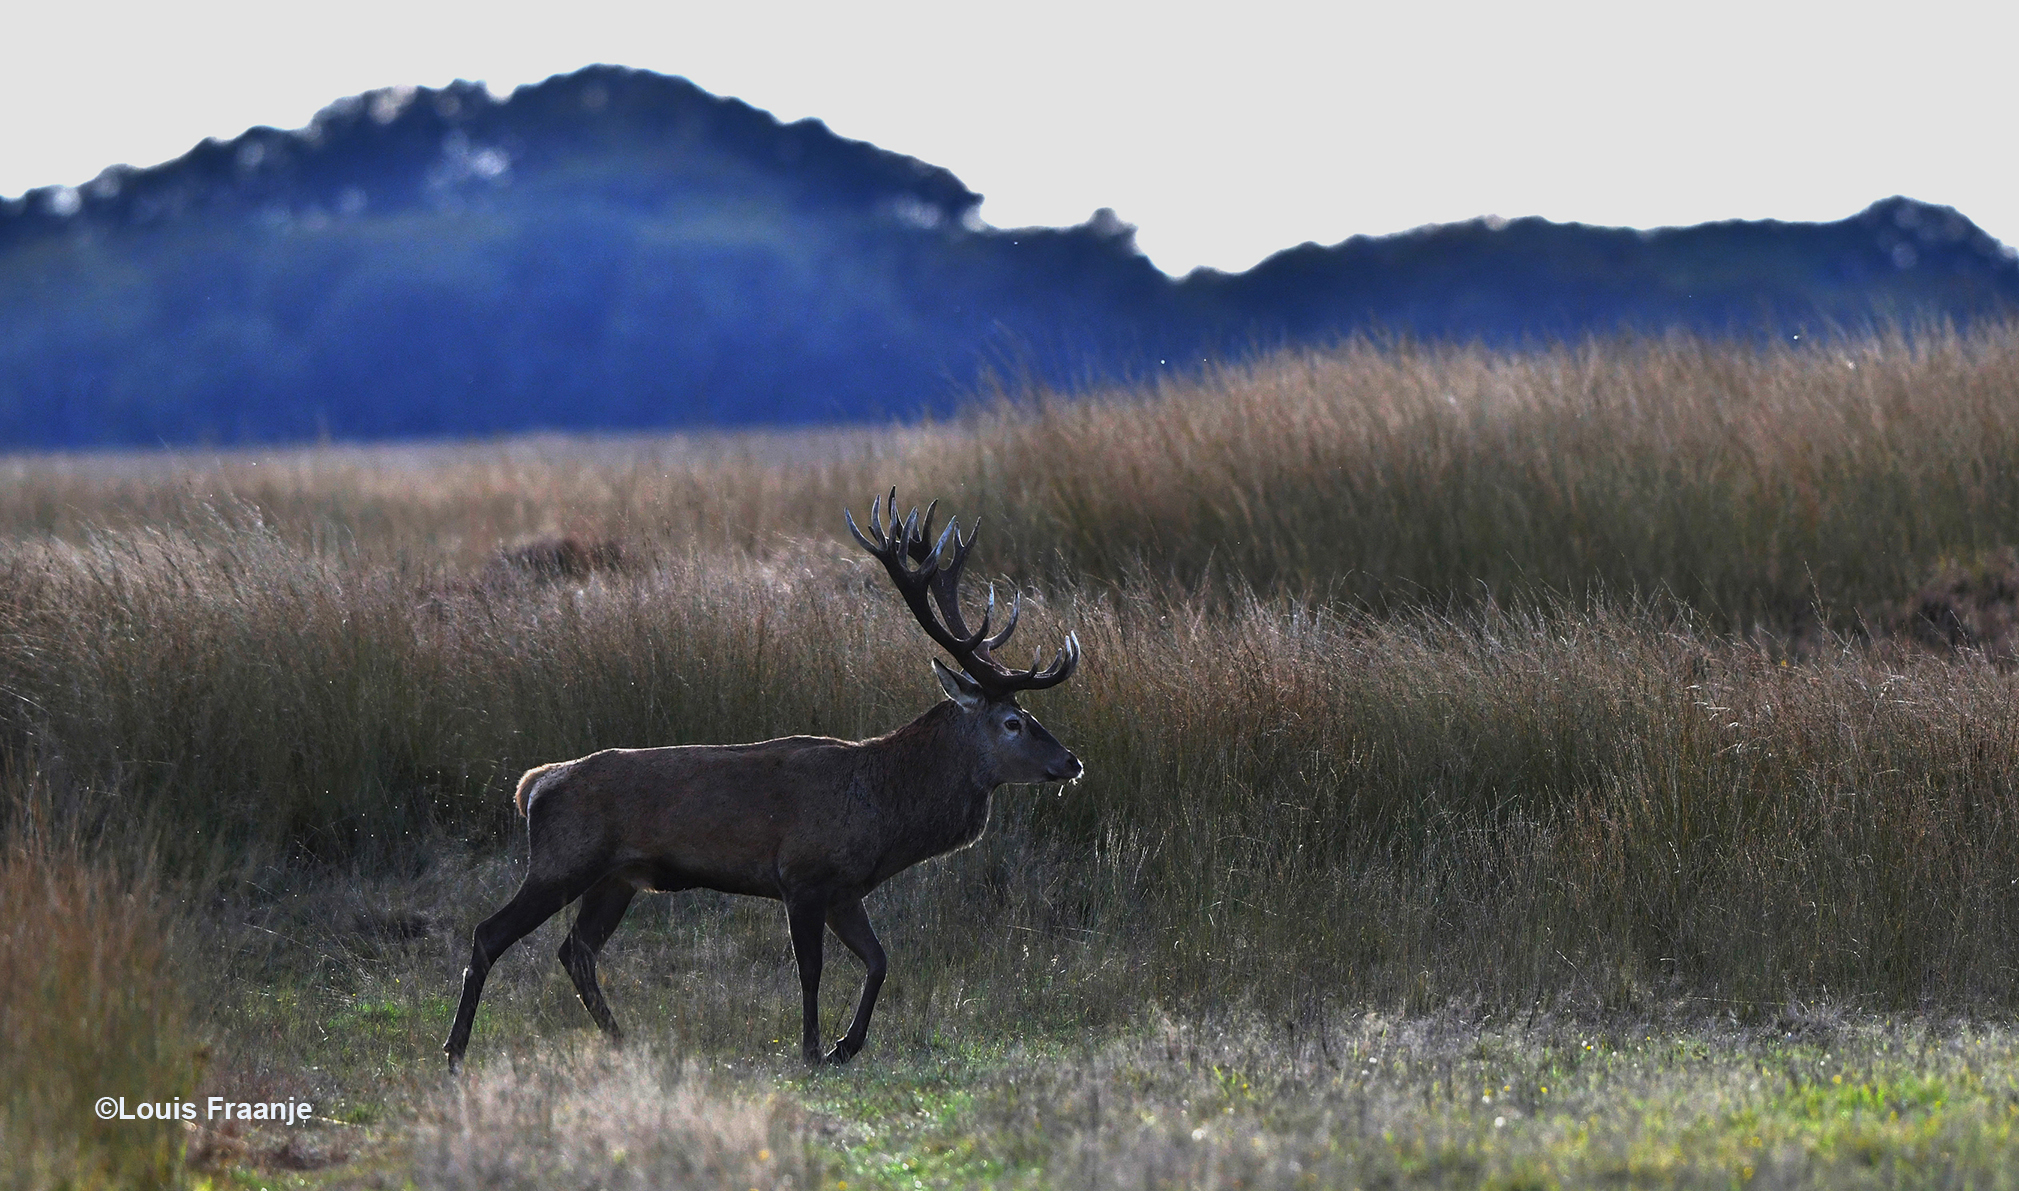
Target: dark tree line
[615, 249]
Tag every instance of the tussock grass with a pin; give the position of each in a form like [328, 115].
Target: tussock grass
[92, 1004]
[605, 1120]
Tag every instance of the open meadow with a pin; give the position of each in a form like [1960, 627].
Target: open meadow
[1593, 766]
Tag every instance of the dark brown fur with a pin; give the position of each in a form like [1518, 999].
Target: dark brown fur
[811, 821]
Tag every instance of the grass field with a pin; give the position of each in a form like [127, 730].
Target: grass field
[1573, 768]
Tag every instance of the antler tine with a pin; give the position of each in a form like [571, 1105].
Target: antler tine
[881, 545]
[952, 531]
[854, 529]
[878, 541]
[916, 545]
[896, 539]
[935, 581]
[883, 516]
[1063, 664]
[946, 593]
[1008, 626]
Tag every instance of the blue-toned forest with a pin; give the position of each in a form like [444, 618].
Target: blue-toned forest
[616, 250]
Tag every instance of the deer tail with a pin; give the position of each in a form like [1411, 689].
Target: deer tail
[526, 783]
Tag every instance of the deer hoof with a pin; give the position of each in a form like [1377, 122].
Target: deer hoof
[841, 1053]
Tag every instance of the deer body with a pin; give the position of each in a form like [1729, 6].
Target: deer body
[738, 818]
[810, 821]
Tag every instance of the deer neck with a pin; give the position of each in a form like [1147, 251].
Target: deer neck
[935, 787]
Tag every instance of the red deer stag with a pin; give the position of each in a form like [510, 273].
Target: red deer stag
[811, 821]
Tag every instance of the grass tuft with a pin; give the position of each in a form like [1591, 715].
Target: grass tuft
[598, 1119]
[92, 1005]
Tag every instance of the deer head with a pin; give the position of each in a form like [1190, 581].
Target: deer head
[928, 577]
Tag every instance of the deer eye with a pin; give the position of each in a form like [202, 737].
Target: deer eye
[1012, 725]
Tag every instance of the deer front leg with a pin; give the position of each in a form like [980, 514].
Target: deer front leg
[602, 909]
[807, 916]
[851, 925]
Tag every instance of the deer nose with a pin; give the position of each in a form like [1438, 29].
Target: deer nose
[1066, 771]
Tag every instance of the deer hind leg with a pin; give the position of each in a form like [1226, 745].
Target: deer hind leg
[602, 909]
[535, 902]
[851, 926]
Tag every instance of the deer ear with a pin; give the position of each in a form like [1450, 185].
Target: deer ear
[959, 687]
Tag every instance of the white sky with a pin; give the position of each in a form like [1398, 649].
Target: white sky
[1225, 134]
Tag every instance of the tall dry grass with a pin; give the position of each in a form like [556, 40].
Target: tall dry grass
[1604, 803]
[92, 1004]
[1756, 484]
[1752, 484]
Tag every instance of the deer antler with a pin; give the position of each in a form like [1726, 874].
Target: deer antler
[928, 575]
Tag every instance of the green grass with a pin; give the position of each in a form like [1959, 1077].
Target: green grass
[1336, 1096]
[995, 1084]
[1439, 1101]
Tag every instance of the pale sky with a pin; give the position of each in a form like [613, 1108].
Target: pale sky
[1225, 132]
